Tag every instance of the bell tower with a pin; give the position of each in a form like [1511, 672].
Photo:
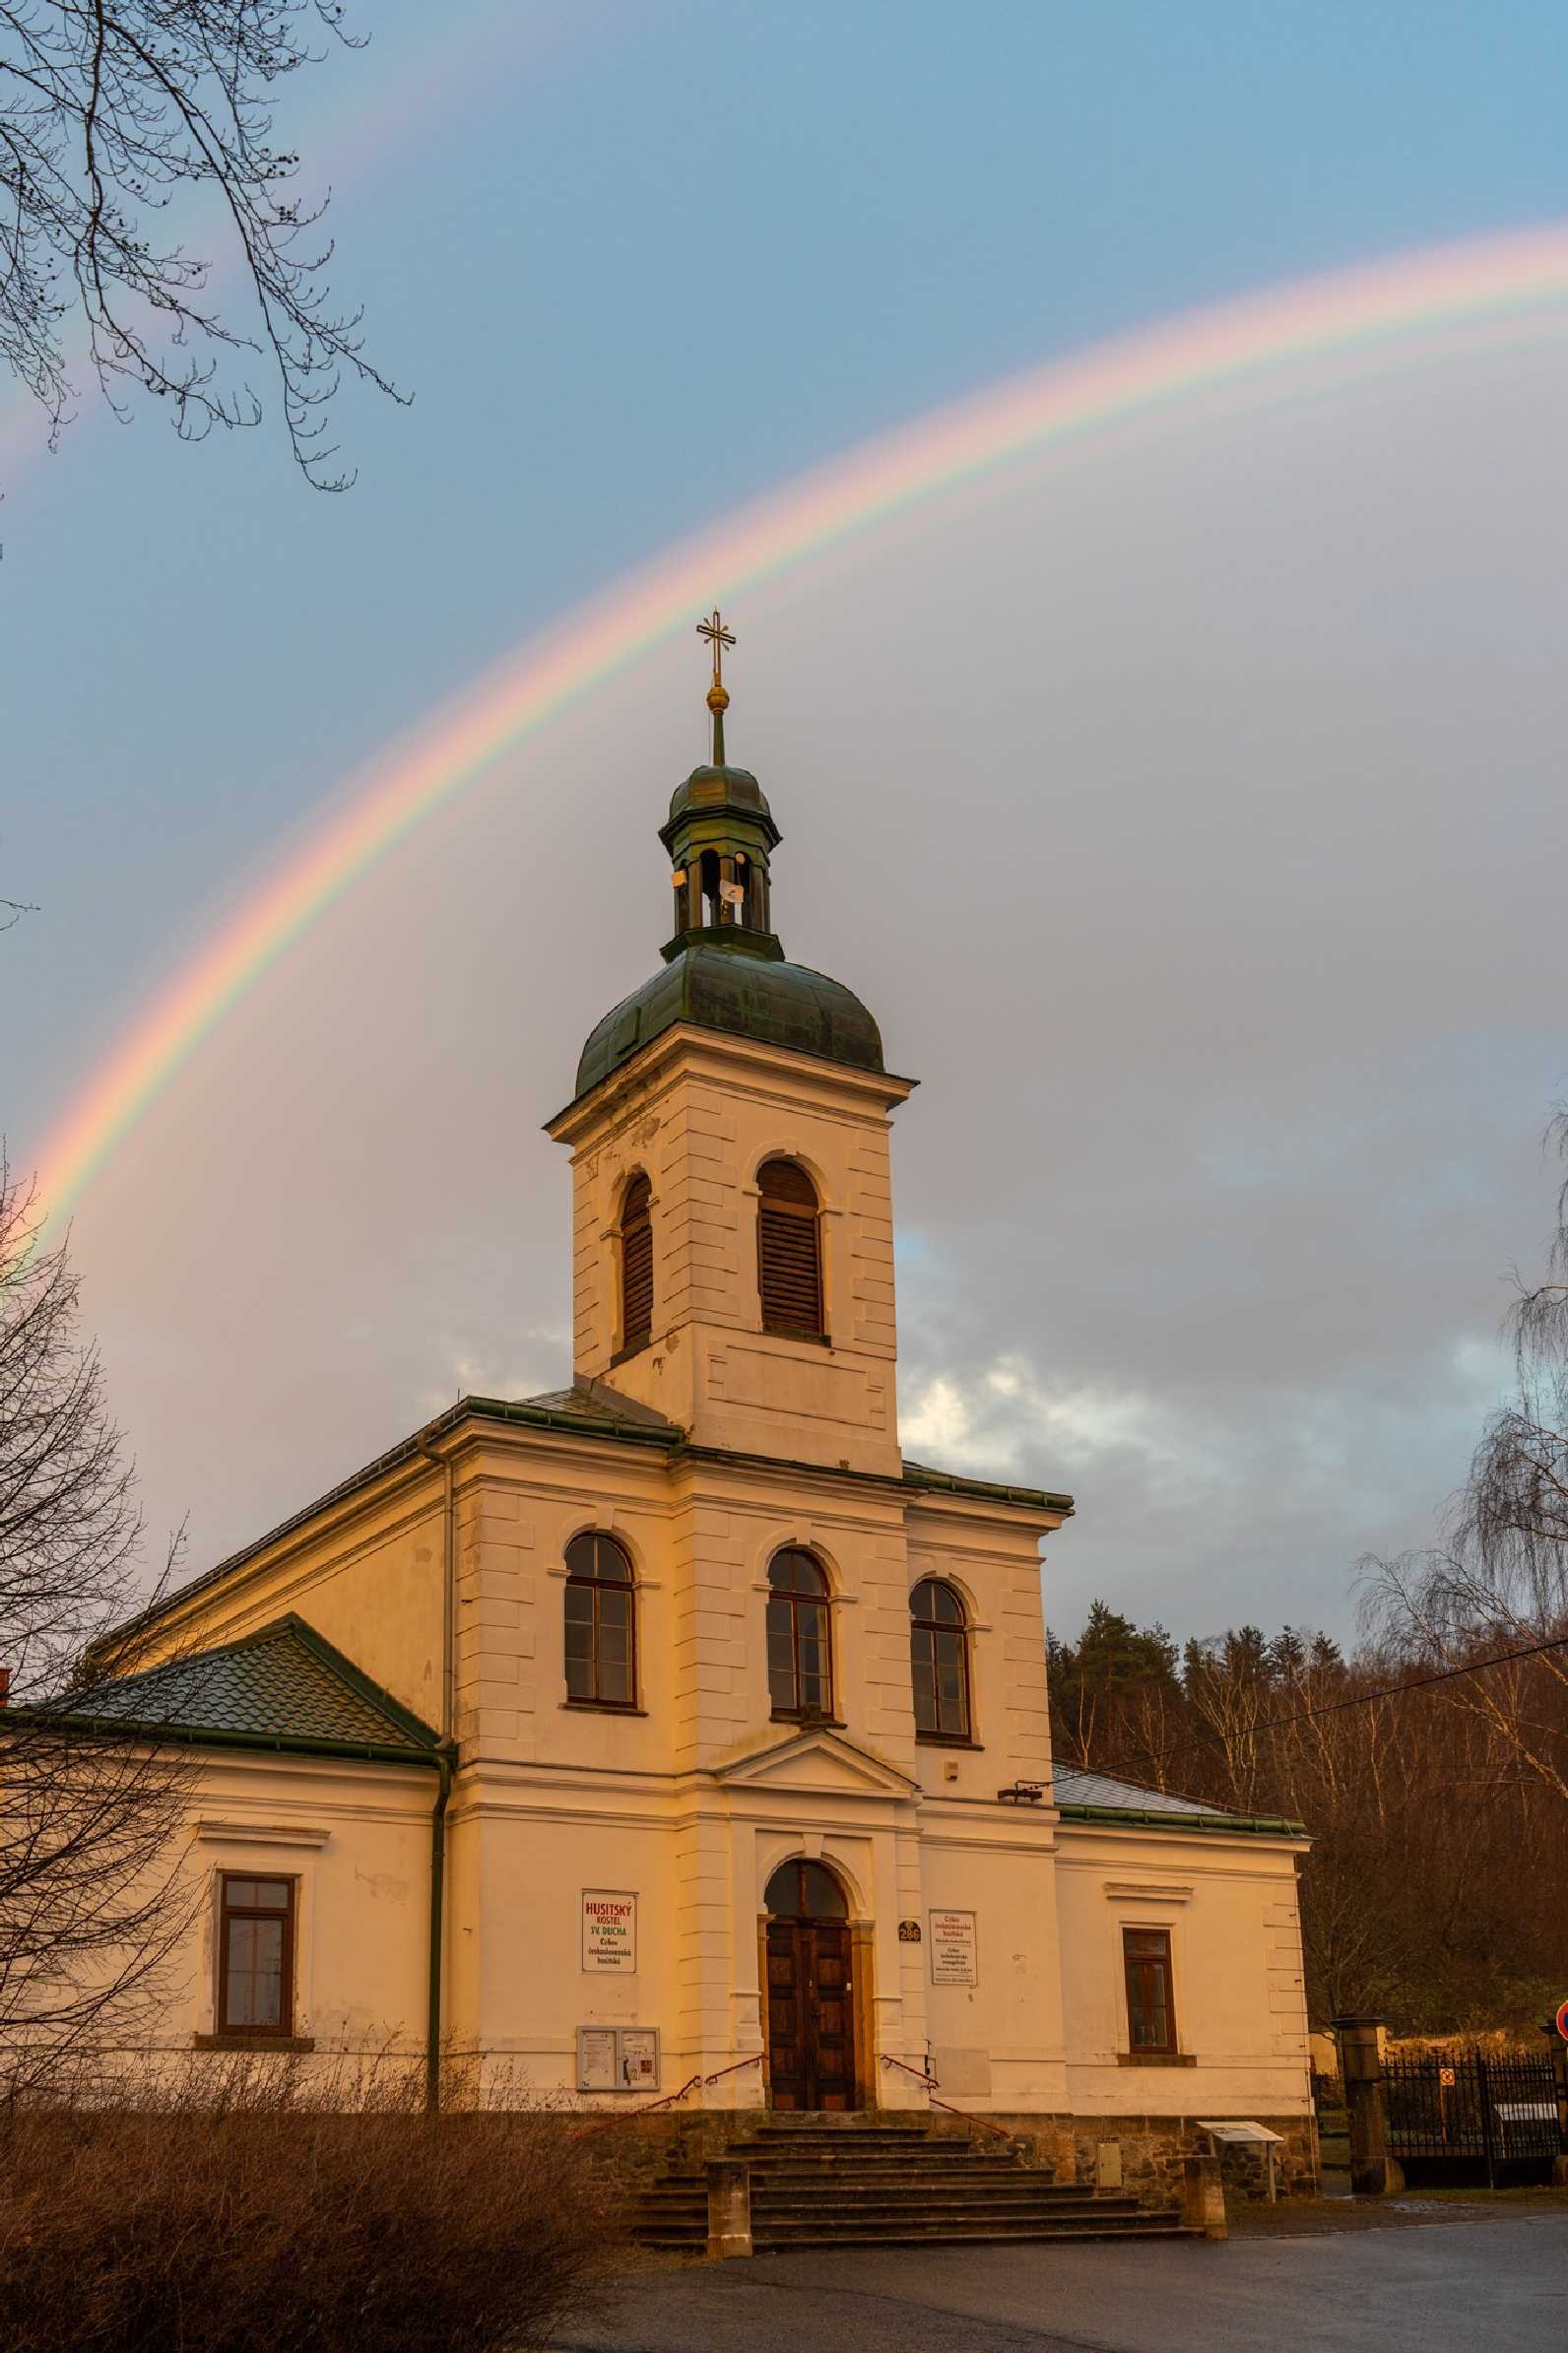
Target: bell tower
[732, 1261]
[719, 835]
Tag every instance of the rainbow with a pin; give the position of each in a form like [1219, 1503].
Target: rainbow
[1246, 342]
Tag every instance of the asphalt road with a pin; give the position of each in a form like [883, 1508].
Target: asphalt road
[1445, 2287]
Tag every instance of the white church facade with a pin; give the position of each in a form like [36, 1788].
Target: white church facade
[675, 1732]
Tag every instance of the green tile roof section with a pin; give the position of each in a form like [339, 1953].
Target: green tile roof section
[1097, 1798]
[734, 983]
[284, 1687]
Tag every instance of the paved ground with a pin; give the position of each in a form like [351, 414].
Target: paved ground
[1468, 2281]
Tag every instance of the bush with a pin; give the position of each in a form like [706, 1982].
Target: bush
[260, 2213]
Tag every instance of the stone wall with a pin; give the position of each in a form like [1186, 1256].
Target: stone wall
[1152, 2147]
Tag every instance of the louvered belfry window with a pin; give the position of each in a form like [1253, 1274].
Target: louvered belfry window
[789, 1258]
[636, 1265]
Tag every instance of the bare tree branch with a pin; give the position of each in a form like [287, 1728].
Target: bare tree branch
[116, 111]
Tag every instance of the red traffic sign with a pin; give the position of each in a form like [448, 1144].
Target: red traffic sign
[1562, 2021]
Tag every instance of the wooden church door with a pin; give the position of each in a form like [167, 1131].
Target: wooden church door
[811, 2017]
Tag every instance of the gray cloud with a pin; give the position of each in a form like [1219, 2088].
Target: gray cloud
[1189, 813]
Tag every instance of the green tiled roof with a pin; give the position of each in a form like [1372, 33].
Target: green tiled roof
[736, 982]
[1097, 1798]
[284, 1687]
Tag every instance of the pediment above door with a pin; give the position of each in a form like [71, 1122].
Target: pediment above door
[820, 1761]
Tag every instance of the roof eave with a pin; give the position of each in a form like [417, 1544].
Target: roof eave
[1132, 1818]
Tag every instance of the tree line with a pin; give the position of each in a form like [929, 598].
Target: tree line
[1431, 1894]
[1430, 1765]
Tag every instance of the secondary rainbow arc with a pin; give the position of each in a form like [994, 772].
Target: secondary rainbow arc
[1248, 340]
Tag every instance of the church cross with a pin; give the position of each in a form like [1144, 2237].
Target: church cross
[718, 637]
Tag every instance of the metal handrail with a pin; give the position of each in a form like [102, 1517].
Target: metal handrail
[962, 2113]
[624, 2115]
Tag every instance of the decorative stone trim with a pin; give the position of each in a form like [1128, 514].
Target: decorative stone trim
[261, 1834]
[288, 2043]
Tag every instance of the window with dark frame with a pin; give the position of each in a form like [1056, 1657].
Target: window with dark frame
[600, 1630]
[636, 1265]
[789, 1256]
[800, 1653]
[255, 1956]
[939, 1661]
[1150, 2003]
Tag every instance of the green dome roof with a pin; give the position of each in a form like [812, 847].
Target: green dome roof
[715, 792]
[742, 991]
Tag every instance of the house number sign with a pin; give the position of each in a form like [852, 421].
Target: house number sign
[609, 1931]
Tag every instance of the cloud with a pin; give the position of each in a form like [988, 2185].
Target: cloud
[1189, 817]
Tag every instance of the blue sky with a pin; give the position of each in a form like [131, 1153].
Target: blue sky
[635, 264]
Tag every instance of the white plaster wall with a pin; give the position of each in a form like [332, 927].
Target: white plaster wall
[356, 1838]
[1230, 1905]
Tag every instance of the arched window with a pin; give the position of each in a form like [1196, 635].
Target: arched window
[800, 1651]
[636, 1265]
[939, 1656]
[601, 1632]
[789, 1258]
[802, 1890]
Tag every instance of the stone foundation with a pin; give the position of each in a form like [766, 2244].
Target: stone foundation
[1151, 2148]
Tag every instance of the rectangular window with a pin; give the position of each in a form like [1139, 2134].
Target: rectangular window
[1150, 2009]
[255, 1956]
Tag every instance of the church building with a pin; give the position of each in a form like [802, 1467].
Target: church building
[675, 1732]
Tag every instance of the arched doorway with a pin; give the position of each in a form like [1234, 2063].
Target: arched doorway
[811, 2015]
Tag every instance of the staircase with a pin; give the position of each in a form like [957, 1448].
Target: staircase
[873, 2181]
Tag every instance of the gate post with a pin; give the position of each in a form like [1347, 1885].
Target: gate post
[1202, 2204]
[1559, 2071]
[729, 2207]
[1373, 2172]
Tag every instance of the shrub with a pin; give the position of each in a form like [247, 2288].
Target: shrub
[264, 2212]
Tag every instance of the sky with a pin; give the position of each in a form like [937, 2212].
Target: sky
[1187, 803]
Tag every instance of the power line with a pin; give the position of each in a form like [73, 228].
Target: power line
[1362, 1699]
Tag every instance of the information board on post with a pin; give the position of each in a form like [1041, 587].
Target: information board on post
[953, 1949]
[609, 1931]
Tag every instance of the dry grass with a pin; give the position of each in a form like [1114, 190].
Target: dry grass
[272, 2220]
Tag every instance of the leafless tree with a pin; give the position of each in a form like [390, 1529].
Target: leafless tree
[90, 1895]
[1499, 1584]
[126, 127]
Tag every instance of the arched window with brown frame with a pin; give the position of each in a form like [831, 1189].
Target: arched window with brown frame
[799, 1648]
[601, 1624]
[789, 1251]
[938, 1659]
[636, 1265]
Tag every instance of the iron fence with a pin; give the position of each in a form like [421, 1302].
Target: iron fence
[1462, 2104]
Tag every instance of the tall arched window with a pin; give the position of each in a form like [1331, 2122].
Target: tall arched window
[939, 1656]
[636, 1265]
[601, 1631]
[789, 1258]
[800, 1651]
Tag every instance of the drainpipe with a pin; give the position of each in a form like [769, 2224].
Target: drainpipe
[443, 1463]
[444, 1765]
[432, 2026]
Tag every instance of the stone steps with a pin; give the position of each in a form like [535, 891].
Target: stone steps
[848, 2182]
